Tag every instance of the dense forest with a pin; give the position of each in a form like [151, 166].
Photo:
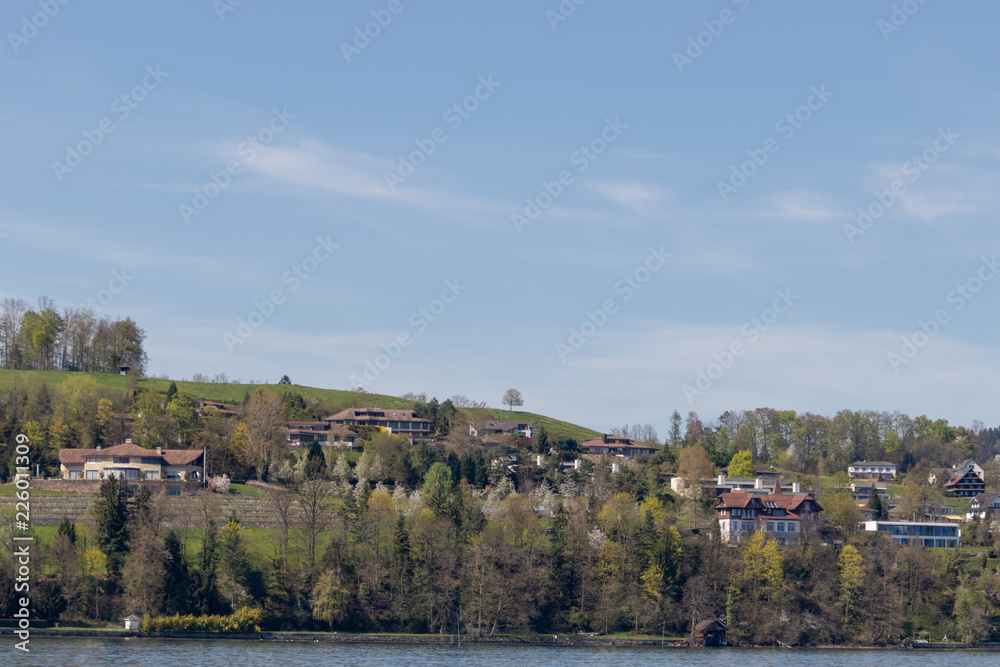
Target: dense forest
[445, 536]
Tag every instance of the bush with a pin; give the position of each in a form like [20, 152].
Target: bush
[244, 620]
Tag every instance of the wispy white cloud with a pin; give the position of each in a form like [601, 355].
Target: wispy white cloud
[357, 175]
[801, 205]
[633, 195]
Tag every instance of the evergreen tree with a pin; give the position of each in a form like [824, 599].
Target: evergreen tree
[176, 575]
[112, 511]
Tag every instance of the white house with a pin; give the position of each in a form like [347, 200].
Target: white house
[927, 533]
[984, 505]
[871, 470]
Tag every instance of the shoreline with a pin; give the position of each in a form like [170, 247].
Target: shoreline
[359, 638]
[362, 638]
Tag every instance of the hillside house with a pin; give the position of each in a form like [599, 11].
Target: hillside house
[783, 517]
[615, 445]
[325, 433]
[400, 422]
[965, 483]
[504, 427]
[132, 462]
[926, 533]
[984, 506]
[715, 486]
[871, 470]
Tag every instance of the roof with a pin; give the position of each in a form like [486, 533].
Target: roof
[738, 500]
[961, 475]
[173, 457]
[508, 425]
[132, 617]
[873, 463]
[779, 499]
[709, 625]
[616, 441]
[984, 499]
[376, 414]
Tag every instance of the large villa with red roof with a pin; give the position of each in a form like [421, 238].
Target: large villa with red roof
[784, 517]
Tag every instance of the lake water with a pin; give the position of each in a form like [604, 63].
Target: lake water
[83, 652]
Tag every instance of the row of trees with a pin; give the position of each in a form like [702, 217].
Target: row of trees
[816, 444]
[74, 340]
[446, 558]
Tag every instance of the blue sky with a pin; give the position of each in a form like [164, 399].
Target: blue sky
[740, 138]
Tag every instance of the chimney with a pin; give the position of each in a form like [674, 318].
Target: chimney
[159, 450]
[128, 441]
[97, 447]
[796, 487]
[604, 437]
[722, 479]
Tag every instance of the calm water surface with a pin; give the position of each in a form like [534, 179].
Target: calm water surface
[73, 651]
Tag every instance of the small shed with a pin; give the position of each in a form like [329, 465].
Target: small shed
[123, 369]
[710, 633]
[132, 622]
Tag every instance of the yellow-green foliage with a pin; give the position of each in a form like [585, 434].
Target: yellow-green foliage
[244, 620]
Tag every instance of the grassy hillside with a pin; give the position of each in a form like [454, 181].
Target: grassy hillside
[335, 399]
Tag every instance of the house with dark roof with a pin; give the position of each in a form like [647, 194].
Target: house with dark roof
[299, 433]
[984, 506]
[132, 462]
[784, 517]
[615, 445]
[710, 633]
[400, 422]
[965, 483]
[503, 427]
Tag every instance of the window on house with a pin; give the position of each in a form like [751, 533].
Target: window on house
[93, 474]
[94, 459]
[150, 461]
[173, 474]
[121, 459]
[74, 474]
[781, 527]
[152, 474]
